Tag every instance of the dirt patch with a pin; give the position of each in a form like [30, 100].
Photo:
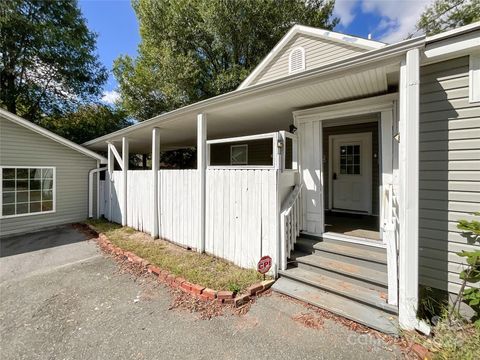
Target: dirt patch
[85, 229]
[310, 320]
[205, 309]
[350, 324]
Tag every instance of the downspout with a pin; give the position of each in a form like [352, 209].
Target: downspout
[90, 189]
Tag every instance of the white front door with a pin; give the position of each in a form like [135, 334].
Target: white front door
[351, 158]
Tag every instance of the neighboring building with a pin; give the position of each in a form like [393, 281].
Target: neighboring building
[348, 161]
[44, 177]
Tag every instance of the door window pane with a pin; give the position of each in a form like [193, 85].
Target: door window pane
[350, 159]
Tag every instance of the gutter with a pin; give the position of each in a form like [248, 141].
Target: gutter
[90, 191]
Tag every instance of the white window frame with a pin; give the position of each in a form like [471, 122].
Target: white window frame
[474, 78]
[290, 71]
[231, 154]
[54, 190]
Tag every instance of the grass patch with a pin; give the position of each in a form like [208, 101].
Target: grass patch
[452, 342]
[197, 268]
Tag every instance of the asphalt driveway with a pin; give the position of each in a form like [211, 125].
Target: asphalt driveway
[70, 302]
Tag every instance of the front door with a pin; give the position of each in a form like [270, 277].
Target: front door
[352, 172]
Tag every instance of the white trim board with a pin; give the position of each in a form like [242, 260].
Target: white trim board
[39, 130]
[369, 105]
[353, 239]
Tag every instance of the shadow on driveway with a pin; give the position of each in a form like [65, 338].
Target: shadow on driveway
[43, 251]
[54, 237]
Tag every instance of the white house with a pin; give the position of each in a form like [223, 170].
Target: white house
[347, 160]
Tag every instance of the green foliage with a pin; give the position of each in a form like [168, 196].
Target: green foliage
[48, 63]
[195, 49]
[234, 287]
[444, 15]
[87, 122]
[433, 303]
[180, 159]
[471, 273]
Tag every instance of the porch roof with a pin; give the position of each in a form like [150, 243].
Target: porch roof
[268, 107]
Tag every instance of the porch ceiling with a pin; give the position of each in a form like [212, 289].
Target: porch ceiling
[252, 113]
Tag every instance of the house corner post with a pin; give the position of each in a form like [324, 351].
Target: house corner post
[202, 174]
[155, 189]
[125, 156]
[409, 188]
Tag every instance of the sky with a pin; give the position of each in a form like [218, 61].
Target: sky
[116, 25]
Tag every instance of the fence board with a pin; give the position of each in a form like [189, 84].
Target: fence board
[179, 207]
[241, 214]
[139, 200]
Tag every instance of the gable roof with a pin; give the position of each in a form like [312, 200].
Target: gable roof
[38, 129]
[315, 32]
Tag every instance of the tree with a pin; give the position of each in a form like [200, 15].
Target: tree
[444, 15]
[87, 122]
[195, 49]
[48, 64]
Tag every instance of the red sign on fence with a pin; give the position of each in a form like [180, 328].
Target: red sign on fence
[264, 264]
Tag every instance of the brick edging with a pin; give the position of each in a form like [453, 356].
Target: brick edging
[198, 291]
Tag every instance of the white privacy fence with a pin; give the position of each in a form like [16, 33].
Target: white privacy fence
[113, 194]
[241, 210]
[241, 215]
[139, 200]
[179, 206]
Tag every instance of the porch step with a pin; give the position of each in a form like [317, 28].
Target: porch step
[347, 289]
[356, 251]
[339, 305]
[344, 268]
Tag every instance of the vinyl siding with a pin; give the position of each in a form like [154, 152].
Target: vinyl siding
[318, 52]
[20, 146]
[354, 129]
[449, 170]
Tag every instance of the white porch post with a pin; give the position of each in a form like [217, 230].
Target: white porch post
[110, 168]
[125, 155]
[202, 166]
[409, 187]
[155, 168]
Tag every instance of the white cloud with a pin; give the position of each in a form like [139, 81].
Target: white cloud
[110, 97]
[398, 16]
[344, 10]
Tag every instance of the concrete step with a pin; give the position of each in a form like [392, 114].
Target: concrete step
[353, 291]
[356, 251]
[342, 268]
[339, 305]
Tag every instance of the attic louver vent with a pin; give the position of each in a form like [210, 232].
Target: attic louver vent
[296, 60]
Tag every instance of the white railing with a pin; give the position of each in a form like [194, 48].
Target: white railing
[390, 240]
[290, 224]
